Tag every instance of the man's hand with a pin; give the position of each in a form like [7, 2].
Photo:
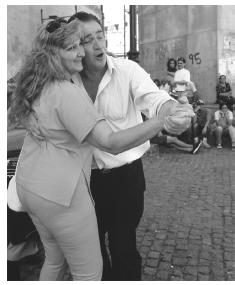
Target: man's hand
[177, 117]
[166, 109]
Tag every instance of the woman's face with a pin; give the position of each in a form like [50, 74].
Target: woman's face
[222, 79]
[224, 108]
[172, 64]
[71, 57]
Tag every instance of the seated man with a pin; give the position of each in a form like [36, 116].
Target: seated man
[201, 122]
[198, 131]
[184, 87]
[166, 139]
[223, 121]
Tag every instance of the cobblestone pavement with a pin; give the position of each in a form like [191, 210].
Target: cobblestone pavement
[187, 230]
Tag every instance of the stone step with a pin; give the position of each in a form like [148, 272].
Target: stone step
[215, 107]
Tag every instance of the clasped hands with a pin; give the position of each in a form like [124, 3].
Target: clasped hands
[176, 117]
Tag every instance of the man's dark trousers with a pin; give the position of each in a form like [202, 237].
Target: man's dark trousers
[119, 201]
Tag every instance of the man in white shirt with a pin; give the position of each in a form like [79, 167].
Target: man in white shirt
[120, 90]
[224, 120]
[182, 76]
[184, 87]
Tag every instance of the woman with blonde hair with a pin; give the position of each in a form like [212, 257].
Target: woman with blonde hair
[53, 174]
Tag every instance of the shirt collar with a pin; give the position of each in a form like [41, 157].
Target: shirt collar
[110, 64]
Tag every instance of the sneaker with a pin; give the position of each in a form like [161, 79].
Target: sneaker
[206, 145]
[219, 146]
[196, 147]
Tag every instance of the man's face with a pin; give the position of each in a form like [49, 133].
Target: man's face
[94, 46]
[180, 64]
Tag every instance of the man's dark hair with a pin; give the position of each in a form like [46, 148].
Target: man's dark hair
[84, 17]
[157, 82]
[163, 82]
[181, 59]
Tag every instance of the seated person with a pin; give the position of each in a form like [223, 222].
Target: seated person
[201, 122]
[182, 82]
[223, 121]
[165, 85]
[165, 139]
[157, 82]
[224, 93]
[171, 70]
[197, 133]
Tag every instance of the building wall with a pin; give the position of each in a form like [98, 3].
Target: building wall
[174, 31]
[226, 43]
[22, 24]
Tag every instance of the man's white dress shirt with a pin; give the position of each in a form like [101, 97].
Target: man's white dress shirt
[124, 92]
[180, 75]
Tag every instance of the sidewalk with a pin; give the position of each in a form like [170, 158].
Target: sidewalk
[187, 229]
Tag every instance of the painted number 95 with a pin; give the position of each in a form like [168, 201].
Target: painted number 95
[195, 58]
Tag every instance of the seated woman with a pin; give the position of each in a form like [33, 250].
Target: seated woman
[224, 121]
[224, 93]
[171, 70]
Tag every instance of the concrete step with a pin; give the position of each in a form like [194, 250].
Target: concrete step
[215, 107]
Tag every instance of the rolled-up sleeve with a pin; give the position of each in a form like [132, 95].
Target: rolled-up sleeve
[76, 111]
[217, 115]
[230, 115]
[148, 98]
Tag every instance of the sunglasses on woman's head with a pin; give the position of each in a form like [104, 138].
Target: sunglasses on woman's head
[54, 25]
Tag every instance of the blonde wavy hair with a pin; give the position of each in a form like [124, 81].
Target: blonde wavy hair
[42, 66]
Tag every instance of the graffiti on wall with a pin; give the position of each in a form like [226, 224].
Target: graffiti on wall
[195, 58]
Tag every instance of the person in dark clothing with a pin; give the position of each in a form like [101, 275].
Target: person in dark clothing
[224, 93]
[201, 122]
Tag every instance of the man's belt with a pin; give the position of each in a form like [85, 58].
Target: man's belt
[116, 169]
